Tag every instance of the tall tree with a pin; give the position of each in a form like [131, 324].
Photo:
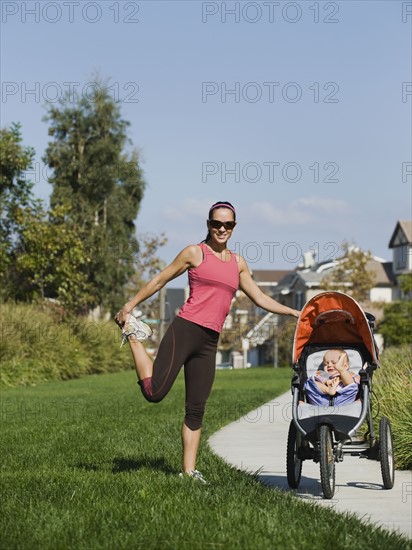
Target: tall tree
[350, 274]
[15, 193]
[15, 188]
[48, 259]
[97, 177]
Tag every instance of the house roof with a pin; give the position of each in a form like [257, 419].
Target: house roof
[312, 276]
[403, 230]
[383, 272]
[288, 280]
[268, 275]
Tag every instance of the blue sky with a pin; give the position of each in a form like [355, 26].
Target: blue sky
[312, 145]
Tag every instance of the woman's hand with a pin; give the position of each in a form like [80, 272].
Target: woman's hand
[122, 314]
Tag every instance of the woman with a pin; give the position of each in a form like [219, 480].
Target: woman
[215, 274]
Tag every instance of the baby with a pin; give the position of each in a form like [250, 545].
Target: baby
[335, 383]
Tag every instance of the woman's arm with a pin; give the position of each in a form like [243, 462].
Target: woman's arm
[187, 258]
[252, 291]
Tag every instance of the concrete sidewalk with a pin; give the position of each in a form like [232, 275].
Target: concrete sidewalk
[257, 442]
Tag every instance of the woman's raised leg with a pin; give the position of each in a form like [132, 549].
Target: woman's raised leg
[142, 362]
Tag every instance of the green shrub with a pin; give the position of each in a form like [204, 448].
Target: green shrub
[393, 390]
[37, 346]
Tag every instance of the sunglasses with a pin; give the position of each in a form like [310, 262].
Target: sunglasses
[216, 224]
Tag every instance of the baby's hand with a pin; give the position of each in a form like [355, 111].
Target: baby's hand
[322, 387]
[340, 364]
[332, 385]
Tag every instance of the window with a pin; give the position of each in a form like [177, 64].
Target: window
[400, 255]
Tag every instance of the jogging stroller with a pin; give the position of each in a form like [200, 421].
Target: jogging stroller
[325, 434]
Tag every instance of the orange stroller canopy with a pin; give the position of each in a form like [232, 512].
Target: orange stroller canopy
[335, 318]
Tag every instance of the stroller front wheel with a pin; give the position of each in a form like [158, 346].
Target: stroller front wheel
[386, 453]
[327, 461]
[293, 461]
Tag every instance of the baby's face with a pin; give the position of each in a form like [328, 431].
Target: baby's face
[329, 362]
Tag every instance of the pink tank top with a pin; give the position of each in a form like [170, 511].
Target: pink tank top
[212, 285]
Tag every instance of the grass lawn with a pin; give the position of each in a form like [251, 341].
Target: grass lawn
[89, 464]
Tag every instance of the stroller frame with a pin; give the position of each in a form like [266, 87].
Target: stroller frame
[333, 320]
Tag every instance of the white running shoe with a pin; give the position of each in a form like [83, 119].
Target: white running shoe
[136, 328]
[195, 474]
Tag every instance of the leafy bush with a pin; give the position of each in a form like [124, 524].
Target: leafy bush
[37, 346]
[396, 326]
[393, 390]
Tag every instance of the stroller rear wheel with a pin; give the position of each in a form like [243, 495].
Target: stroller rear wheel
[327, 461]
[293, 462]
[386, 453]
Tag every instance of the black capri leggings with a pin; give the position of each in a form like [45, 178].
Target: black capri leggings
[185, 343]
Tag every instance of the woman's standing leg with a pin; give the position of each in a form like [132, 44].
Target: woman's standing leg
[190, 446]
[199, 376]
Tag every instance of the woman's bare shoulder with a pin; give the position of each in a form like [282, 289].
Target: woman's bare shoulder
[193, 254]
[241, 262]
